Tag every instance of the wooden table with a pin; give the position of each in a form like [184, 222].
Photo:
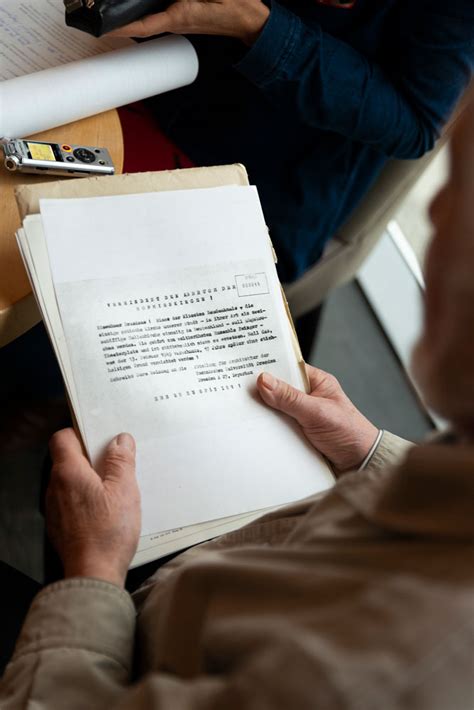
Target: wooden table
[18, 311]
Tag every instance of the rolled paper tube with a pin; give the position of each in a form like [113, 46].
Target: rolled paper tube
[56, 96]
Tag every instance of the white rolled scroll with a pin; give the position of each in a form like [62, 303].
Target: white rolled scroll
[59, 95]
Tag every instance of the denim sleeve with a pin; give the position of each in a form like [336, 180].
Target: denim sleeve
[399, 106]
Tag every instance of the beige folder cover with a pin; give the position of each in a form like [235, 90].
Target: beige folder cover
[28, 196]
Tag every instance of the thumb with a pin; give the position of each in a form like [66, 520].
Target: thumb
[119, 458]
[283, 397]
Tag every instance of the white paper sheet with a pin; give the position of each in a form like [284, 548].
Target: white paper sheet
[108, 256]
[76, 75]
[32, 246]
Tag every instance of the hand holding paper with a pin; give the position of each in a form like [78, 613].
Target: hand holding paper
[93, 517]
[163, 335]
[329, 420]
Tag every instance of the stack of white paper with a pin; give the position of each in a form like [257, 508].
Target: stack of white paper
[162, 309]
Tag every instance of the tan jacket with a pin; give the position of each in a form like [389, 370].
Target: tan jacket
[359, 598]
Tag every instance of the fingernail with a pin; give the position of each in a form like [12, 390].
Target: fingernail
[268, 381]
[126, 441]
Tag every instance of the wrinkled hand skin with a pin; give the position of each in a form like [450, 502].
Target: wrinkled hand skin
[93, 518]
[329, 420]
[242, 19]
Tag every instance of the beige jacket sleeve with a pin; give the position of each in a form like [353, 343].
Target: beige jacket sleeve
[75, 648]
[391, 451]
[75, 651]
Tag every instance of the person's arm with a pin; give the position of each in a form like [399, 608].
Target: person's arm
[76, 646]
[398, 109]
[330, 85]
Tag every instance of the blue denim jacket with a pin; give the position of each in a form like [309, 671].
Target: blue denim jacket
[316, 106]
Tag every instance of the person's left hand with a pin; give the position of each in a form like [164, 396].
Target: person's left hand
[327, 417]
[93, 519]
[243, 19]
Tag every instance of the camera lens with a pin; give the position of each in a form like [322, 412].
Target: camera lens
[11, 163]
[84, 155]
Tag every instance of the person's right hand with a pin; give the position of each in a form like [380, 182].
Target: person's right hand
[243, 20]
[93, 518]
[329, 420]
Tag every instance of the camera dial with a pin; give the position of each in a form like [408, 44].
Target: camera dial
[84, 155]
